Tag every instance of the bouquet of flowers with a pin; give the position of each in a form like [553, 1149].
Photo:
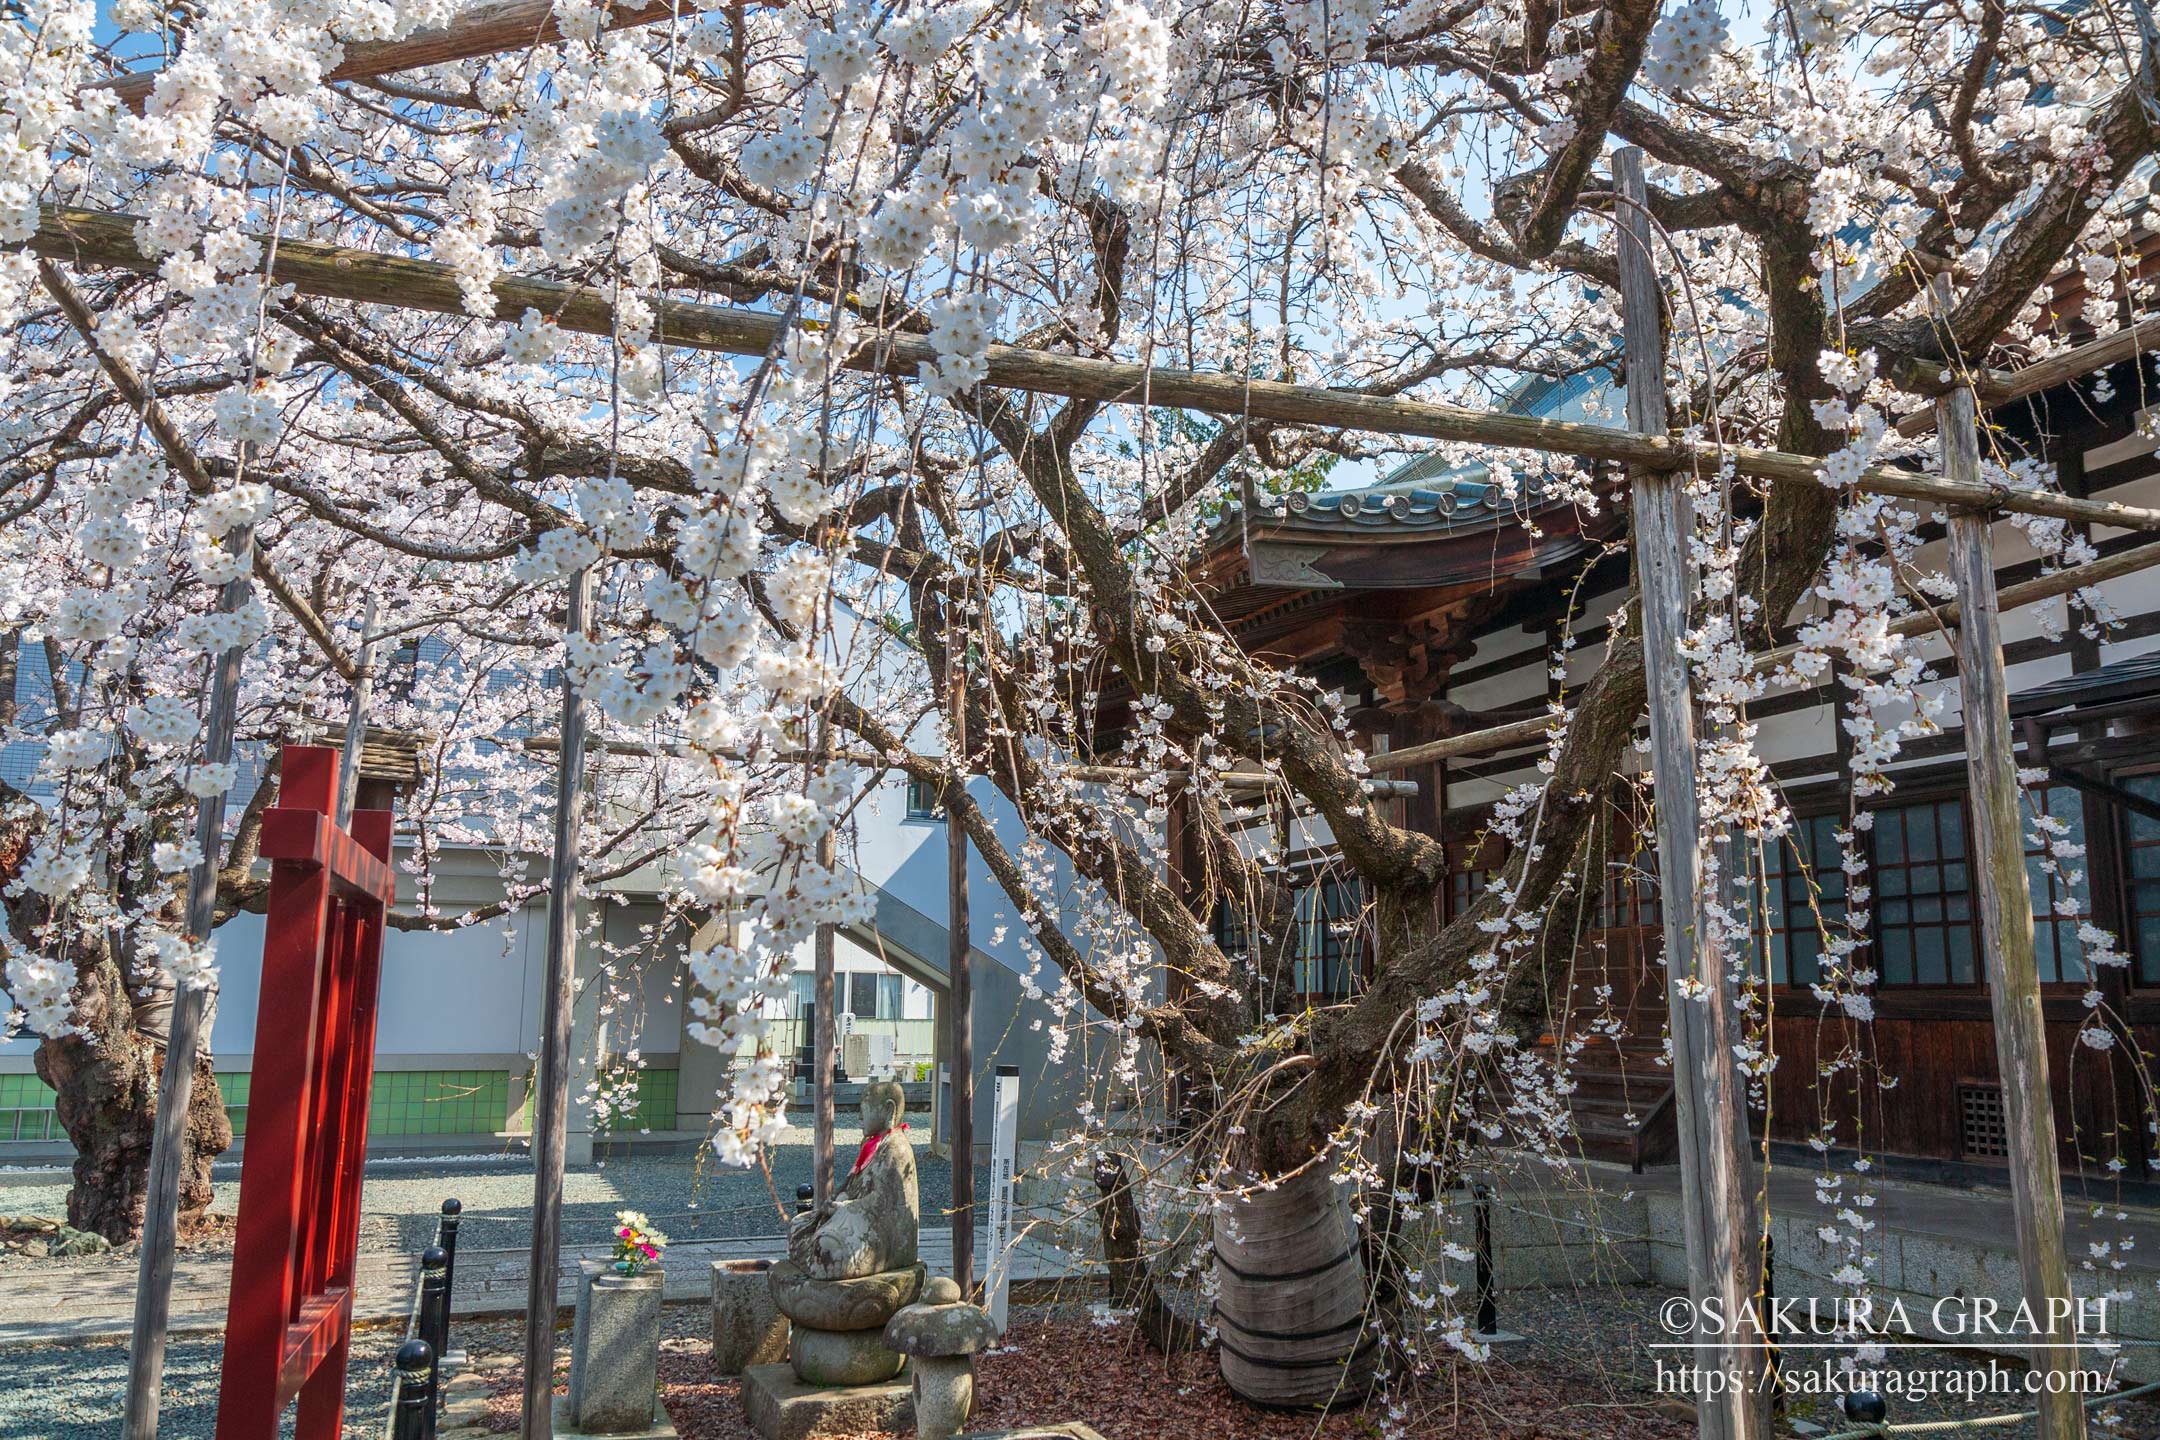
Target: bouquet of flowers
[636, 1241]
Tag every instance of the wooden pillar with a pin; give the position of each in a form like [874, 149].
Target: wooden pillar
[176, 1081]
[961, 1044]
[551, 1080]
[2006, 926]
[823, 1026]
[1716, 1174]
[363, 695]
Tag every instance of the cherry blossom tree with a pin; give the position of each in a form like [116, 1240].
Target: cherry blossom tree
[1391, 199]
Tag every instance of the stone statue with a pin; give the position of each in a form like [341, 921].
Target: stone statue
[851, 1262]
[870, 1224]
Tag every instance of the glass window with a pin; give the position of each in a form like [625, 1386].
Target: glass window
[1630, 897]
[922, 801]
[1328, 938]
[1470, 870]
[2056, 946]
[1803, 895]
[1923, 885]
[862, 995]
[2143, 863]
[1231, 936]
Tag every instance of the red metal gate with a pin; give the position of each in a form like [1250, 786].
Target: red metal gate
[289, 1320]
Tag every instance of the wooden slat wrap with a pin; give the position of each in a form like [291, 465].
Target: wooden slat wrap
[1290, 1312]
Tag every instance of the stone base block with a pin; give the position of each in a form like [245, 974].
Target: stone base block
[662, 1428]
[781, 1407]
[1069, 1430]
[747, 1329]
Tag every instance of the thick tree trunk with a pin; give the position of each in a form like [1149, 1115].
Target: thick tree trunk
[1132, 1284]
[107, 1084]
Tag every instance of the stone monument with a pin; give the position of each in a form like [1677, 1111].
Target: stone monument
[615, 1356]
[851, 1267]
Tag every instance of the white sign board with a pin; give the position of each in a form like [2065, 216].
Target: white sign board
[1004, 1151]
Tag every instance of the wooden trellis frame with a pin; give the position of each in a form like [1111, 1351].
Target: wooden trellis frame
[1717, 1128]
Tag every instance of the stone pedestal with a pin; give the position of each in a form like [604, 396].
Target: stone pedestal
[615, 1352]
[747, 1327]
[780, 1406]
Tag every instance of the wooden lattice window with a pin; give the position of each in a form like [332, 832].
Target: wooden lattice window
[1630, 897]
[1802, 876]
[1923, 883]
[2142, 842]
[1330, 935]
[1983, 1134]
[2056, 947]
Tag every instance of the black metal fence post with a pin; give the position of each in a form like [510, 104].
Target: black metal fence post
[446, 1231]
[1488, 1307]
[446, 1236]
[412, 1416]
[435, 1311]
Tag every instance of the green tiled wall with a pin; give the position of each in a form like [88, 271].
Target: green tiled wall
[438, 1102]
[233, 1090]
[406, 1102]
[657, 1092]
[26, 1110]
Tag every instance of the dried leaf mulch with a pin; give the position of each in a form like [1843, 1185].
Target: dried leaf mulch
[1060, 1366]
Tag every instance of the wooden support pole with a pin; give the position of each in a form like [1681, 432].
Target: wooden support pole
[363, 695]
[176, 1080]
[92, 237]
[824, 1025]
[2000, 387]
[2006, 927]
[1717, 1207]
[551, 1079]
[960, 1048]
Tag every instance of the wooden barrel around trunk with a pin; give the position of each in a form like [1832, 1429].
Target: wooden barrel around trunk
[1290, 1310]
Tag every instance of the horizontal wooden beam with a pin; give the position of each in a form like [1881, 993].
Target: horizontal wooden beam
[488, 29]
[2000, 387]
[2028, 592]
[100, 238]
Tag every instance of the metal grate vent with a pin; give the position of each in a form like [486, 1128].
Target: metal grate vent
[1984, 1136]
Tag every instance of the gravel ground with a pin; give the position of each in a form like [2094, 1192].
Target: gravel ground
[689, 1196]
[72, 1392]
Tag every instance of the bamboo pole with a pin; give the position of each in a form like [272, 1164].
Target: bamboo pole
[363, 695]
[176, 1080]
[958, 938]
[88, 237]
[1717, 1210]
[551, 1080]
[2006, 927]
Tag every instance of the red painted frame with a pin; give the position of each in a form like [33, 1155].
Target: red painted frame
[289, 1320]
